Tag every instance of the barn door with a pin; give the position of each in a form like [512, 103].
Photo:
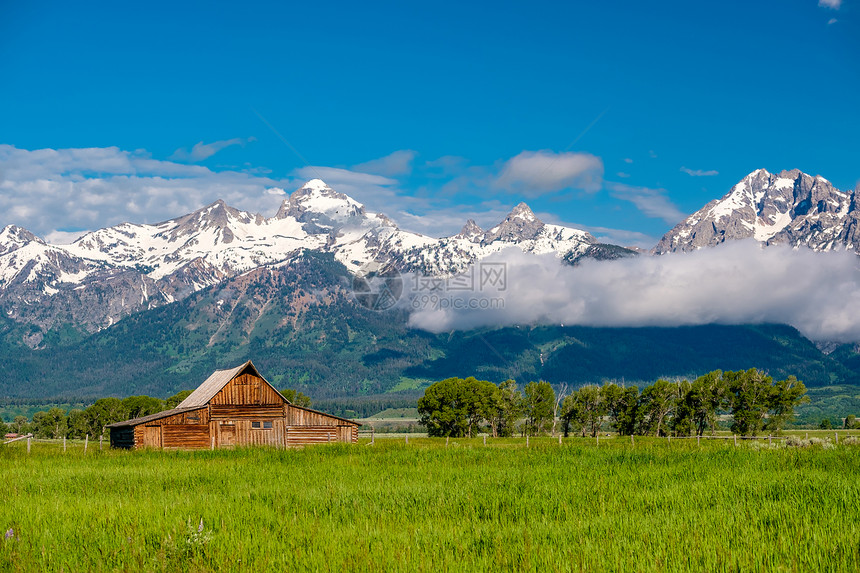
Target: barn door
[227, 438]
[152, 436]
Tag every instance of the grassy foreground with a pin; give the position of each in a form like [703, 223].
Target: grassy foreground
[425, 507]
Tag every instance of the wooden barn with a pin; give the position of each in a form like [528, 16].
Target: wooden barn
[236, 407]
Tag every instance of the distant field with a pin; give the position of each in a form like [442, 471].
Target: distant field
[652, 506]
[396, 414]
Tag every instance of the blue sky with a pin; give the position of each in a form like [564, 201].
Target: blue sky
[620, 117]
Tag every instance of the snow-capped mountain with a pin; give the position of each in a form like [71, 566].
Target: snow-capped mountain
[110, 273]
[789, 208]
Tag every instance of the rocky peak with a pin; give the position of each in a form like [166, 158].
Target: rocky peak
[791, 207]
[471, 231]
[320, 207]
[521, 224]
[13, 238]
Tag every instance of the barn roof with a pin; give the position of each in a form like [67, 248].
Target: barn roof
[216, 381]
[151, 417]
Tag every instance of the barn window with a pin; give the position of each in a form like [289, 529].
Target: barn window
[262, 425]
[267, 425]
[255, 425]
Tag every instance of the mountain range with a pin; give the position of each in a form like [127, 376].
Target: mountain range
[111, 273]
[145, 307]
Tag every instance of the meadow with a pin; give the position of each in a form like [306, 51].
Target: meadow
[652, 506]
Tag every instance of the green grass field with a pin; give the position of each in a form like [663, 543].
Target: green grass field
[654, 506]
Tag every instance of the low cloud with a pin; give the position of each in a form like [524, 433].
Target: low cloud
[397, 163]
[737, 283]
[699, 172]
[202, 151]
[832, 4]
[651, 202]
[534, 173]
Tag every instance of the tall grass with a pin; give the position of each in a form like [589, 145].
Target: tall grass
[425, 507]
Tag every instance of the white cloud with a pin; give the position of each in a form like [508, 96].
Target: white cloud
[736, 283]
[628, 160]
[832, 21]
[397, 163]
[651, 202]
[202, 151]
[832, 4]
[46, 190]
[699, 172]
[623, 175]
[534, 173]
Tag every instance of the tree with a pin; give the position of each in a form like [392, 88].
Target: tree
[584, 410]
[621, 405]
[657, 402]
[750, 394]
[137, 406]
[4, 428]
[784, 397]
[850, 422]
[559, 398]
[707, 397]
[507, 409]
[51, 424]
[77, 424]
[478, 402]
[538, 406]
[174, 400]
[683, 419]
[105, 411]
[20, 425]
[442, 410]
[825, 424]
[296, 398]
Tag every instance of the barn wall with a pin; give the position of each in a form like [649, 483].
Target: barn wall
[246, 389]
[234, 412]
[185, 436]
[122, 437]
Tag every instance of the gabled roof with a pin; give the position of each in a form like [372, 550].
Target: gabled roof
[151, 417]
[217, 381]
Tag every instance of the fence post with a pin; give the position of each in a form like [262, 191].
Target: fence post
[372, 435]
[407, 439]
[807, 435]
[527, 441]
[669, 438]
[769, 440]
[735, 436]
[559, 439]
[28, 445]
[328, 436]
[631, 440]
[86, 442]
[698, 440]
[100, 442]
[837, 437]
[597, 438]
[446, 441]
[485, 439]
[64, 443]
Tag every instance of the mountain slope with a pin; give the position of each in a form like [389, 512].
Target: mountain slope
[790, 208]
[300, 324]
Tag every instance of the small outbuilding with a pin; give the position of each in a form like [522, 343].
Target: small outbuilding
[236, 407]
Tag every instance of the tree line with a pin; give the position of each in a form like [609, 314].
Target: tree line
[93, 421]
[463, 407]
